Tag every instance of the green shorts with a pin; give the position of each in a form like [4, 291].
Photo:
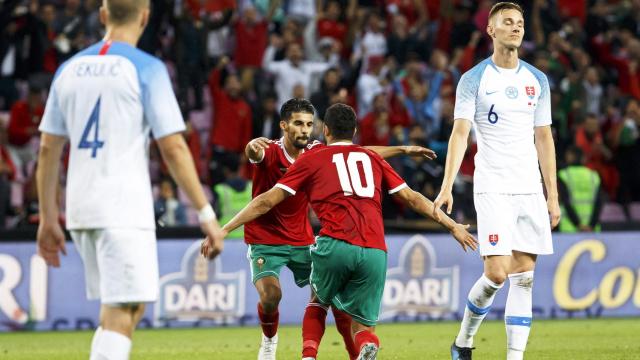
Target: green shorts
[350, 277]
[267, 260]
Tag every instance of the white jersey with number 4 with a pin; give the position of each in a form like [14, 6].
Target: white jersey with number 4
[106, 100]
[505, 105]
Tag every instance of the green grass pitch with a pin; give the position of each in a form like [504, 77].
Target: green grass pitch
[550, 339]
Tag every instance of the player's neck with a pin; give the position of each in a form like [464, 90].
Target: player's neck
[293, 151]
[123, 34]
[505, 58]
[331, 141]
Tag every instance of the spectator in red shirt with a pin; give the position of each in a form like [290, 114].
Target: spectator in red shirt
[375, 128]
[7, 173]
[251, 36]
[589, 139]
[23, 127]
[50, 60]
[329, 24]
[232, 120]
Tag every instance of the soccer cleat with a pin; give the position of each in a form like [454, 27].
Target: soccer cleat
[268, 348]
[460, 353]
[368, 352]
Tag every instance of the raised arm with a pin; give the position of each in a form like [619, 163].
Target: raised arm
[50, 236]
[260, 205]
[423, 206]
[455, 154]
[176, 154]
[391, 151]
[547, 159]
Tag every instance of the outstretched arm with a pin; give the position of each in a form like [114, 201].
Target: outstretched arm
[423, 206]
[391, 151]
[258, 206]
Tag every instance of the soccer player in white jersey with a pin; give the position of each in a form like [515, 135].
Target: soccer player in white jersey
[104, 101]
[508, 103]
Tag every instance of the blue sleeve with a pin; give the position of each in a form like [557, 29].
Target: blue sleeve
[542, 116]
[160, 106]
[466, 94]
[53, 119]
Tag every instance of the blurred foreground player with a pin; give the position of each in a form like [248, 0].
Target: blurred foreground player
[105, 101]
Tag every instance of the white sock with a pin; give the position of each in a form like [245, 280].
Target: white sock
[478, 305]
[112, 346]
[518, 314]
[96, 339]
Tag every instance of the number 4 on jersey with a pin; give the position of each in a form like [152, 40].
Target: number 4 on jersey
[94, 122]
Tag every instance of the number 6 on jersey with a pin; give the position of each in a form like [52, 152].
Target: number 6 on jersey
[93, 122]
[350, 171]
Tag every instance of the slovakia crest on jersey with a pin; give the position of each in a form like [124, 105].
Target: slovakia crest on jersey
[531, 91]
[493, 239]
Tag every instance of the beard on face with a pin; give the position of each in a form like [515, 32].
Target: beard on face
[301, 142]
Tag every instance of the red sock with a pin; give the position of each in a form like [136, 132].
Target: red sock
[343, 323]
[365, 337]
[313, 325]
[269, 322]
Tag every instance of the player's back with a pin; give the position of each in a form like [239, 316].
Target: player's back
[344, 183]
[105, 100]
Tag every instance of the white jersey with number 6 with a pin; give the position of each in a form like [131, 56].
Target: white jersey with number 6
[504, 106]
[106, 100]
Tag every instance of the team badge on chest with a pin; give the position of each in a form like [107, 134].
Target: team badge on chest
[531, 91]
[511, 92]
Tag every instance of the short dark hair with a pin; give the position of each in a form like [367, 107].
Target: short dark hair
[296, 105]
[505, 5]
[341, 121]
[124, 11]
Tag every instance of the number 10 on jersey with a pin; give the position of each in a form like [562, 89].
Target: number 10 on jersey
[350, 176]
[93, 122]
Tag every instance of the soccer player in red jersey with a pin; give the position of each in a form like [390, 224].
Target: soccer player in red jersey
[282, 236]
[343, 183]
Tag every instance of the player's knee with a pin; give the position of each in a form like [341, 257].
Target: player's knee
[120, 318]
[497, 276]
[137, 312]
[270, 297]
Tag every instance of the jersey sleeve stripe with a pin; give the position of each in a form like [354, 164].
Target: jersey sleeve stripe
[286, 188]
[398, 188]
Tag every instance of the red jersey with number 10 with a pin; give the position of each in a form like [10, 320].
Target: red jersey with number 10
[344, 184]
[287, 223]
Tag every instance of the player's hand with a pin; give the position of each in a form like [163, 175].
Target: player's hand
[444, 198]
[259, 143]
[554, 211]
[463, 237]
[213, 244]
[50, 240]
[420, 151]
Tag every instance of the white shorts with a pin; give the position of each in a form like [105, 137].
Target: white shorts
[120, 265]
[508, 222]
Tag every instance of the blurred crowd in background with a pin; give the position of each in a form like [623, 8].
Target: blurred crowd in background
[397, 62]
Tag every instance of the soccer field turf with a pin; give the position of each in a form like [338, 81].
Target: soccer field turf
[557, 339]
